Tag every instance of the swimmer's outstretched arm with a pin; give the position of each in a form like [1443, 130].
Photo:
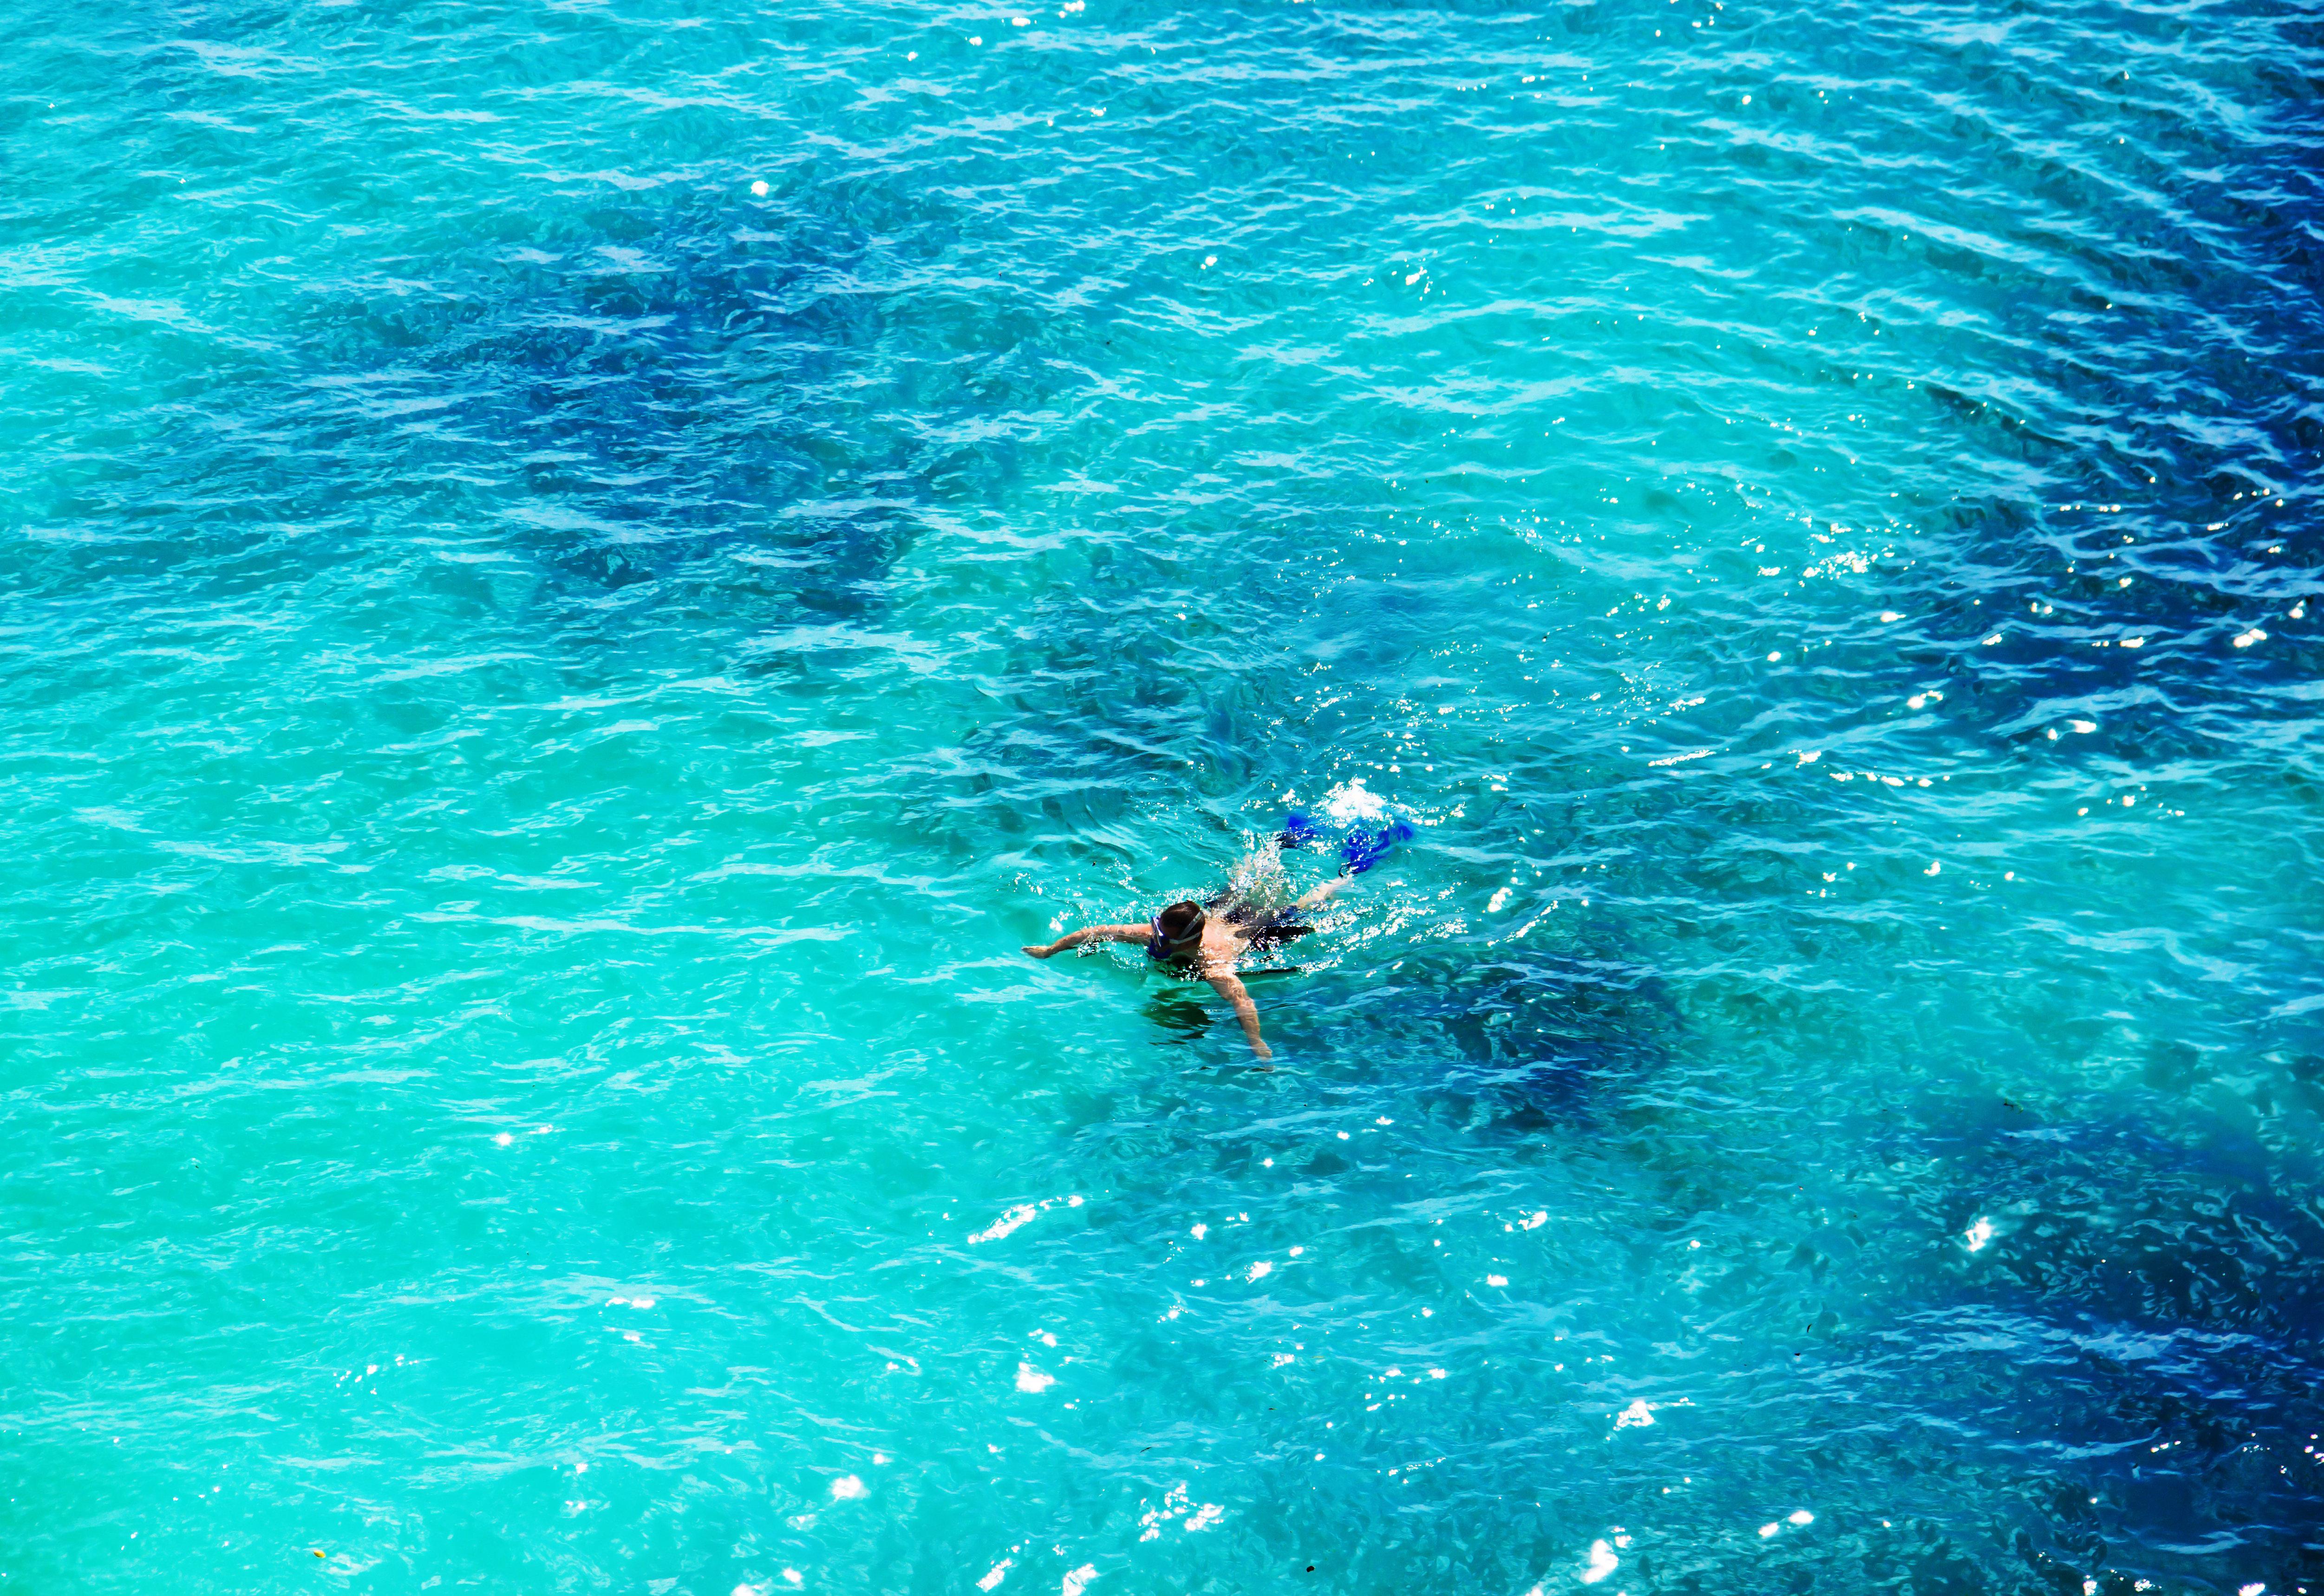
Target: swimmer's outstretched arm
[1089, 934]
[1233, 991]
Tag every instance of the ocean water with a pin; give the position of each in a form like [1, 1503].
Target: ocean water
[576, 578]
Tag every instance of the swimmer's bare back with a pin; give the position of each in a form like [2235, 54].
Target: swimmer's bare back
[1212, 946]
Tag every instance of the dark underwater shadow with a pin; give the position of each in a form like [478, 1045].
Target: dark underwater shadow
[748, 403]
[723, 415]
[2147, 1307]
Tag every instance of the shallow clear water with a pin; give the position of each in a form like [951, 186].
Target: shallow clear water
[544, 688]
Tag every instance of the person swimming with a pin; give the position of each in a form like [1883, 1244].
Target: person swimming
[1206, 940]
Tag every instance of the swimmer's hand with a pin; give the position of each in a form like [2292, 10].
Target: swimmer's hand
[1038, 953]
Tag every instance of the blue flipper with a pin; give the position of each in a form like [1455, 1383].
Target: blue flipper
[1362, 849]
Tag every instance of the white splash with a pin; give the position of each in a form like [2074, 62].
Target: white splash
[1204, 1517]
[1032, 1380]
[1260, 1270]
[1638, 1412]
[1350, 801]
[1078, 1581]
[847, 1487]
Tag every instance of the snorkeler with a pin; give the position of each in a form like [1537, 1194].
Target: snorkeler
[1188, 936]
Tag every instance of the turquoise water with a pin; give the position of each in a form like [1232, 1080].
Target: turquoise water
[545, 685]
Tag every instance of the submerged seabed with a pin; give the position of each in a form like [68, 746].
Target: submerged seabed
[545, 685]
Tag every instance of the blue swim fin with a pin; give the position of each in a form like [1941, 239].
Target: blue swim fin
[1362, 849]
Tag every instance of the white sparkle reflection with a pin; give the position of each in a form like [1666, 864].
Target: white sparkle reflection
[1078, 1581]
[1636, 1413]
[999, 1572]
[1979, 1234]
[1802, 1517]
[847, 1487]
[1023, 1214]
[1602, 1562]
[1032, 1380]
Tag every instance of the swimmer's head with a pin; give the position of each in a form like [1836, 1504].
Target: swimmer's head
[1181, 923]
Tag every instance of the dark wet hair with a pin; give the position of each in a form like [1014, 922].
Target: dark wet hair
[1175, 921]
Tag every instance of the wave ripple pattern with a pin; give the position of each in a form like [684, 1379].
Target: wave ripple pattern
[576, 578]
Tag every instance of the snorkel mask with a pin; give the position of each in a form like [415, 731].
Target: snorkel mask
[1161, 945]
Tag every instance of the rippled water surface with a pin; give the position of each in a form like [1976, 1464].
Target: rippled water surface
[577, 578]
